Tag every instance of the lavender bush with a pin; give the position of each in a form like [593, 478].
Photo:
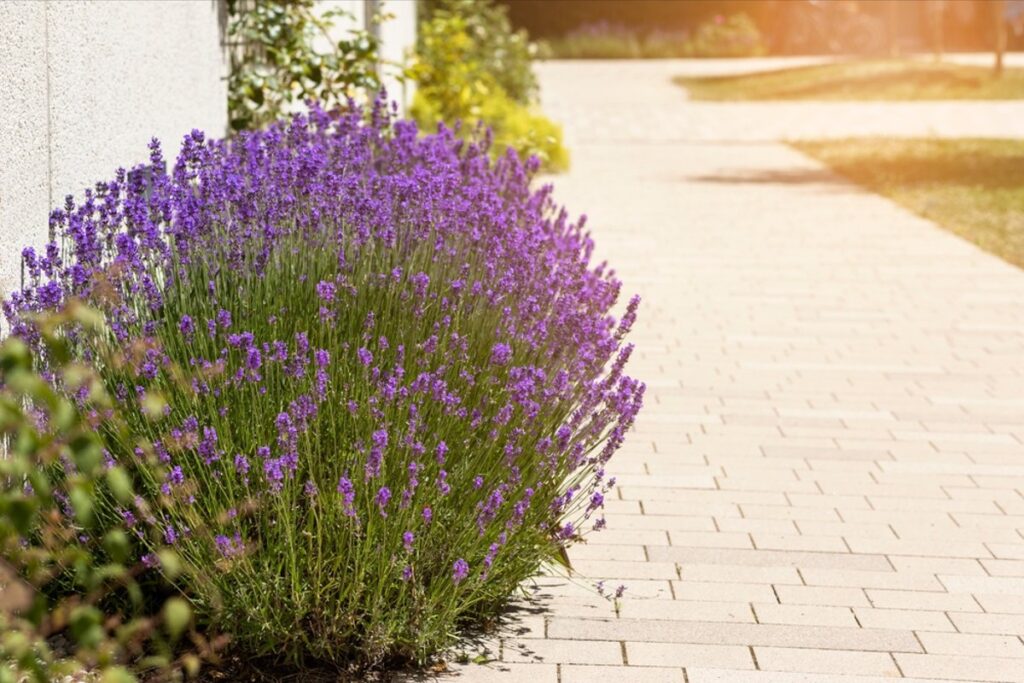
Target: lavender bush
[402, 380]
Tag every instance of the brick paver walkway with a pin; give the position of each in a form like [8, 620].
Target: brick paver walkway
[827, 483]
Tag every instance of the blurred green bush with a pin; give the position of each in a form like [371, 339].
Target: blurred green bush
[470, 66]
[74, 595]
[733, 36]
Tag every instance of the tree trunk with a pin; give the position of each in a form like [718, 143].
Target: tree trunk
[936, 10]
[892, 15]
[999, 14]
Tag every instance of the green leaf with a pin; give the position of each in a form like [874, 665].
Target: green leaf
[85, 626]
[88, 317]
[86, 452]
[63, 416]
[117, 545]
[117, 674]
[170, 563]
[562, 557]
[21, 511]
[177, 616]
[120, 484]
[82, 503]
[153, 405]
[14, 354]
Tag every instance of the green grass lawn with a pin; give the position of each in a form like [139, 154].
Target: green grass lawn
[862, 80]
[972, 187]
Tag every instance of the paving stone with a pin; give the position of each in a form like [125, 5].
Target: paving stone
[1007, 624]
[500, 672]
[673, 654]
[687, 610]
[905, 619]
[959, 668]
[806, 615]
[701, 675]
[802, 659]
[723, 591]
[556, 651]
[738, 573]
[971, 644]
[889, 579]
[877, 640]
[821, 595]
[572, 673]
[922, 600]
[770, 558]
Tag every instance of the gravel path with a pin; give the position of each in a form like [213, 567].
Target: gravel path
[827, 484]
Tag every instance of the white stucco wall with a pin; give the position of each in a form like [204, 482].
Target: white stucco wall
[398, 38]
[84, 86]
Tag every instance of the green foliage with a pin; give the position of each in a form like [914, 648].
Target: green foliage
[458, 80]
[499, 50]
[872, 79]
[277, 61]
[733, 36]
[71, 585]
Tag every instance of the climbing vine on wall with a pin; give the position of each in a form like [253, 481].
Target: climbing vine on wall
[283, 54]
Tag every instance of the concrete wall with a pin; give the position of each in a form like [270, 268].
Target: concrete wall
[84, 86]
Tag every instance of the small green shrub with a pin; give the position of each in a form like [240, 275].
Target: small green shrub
[502, 52]
[71, 587]
[456, 83]
[733, 36]
[601, 40]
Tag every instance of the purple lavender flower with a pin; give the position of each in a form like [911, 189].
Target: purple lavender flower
[460, 570]
[501, 354]
[407, 540]
[373, 462]
[382, 500]
[224, 319]
[229, 546]
[326, 291]
[176, 477]
[348, 496]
